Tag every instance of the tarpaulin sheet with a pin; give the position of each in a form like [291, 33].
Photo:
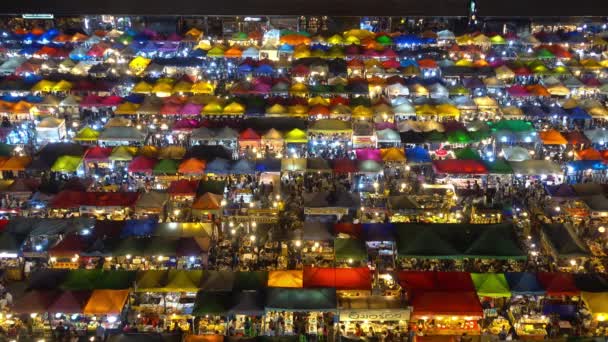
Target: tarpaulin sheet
[357, 278]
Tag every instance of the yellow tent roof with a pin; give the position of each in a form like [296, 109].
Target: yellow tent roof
[234, 108]
[202, 87]
[163, 88]
[352, 40]
[362, 111]
[301, 51]
[464, 63]
[86, 134]
[172, 152]
[142, 87]
[318, 100]
[182, 87]
[293, 164]
[43, 85]
[213, 107]
[512, 111]
[272, 134]
[340, 109]
[123, 153]
[298, 88]
[194, 33]
[296, 136]
[62, 85]
[126, 108]
[106, 302]
[558, 90]
[216, 51]
[298, 109]
[447, 110]
[335, 39]
[426, 109]
[485, 101]
[276, 109]
[291, 279]
[361, 34]
[148, 151]
[597, 302]
[392, 154]
[66, 164]
[139, 64]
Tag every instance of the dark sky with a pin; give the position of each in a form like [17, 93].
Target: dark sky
[522, 8]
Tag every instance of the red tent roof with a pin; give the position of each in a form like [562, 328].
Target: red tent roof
[436, 281]
[142, 164]
[558, 284]
[74, 199]
[358, 278]
[97, 153]
[183, 187]
[70, 245]
[34, 302]
[453, 166]
[576, 137]
[70, 302]
[428, 303]
[354, 229]
[249, 134]
[345, 166]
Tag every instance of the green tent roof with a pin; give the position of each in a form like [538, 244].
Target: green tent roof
[384, 40]
[499, 166]
[183, 280]
[323, 299]
[296, 135]
[166, 166]
[81, 279]
[115, 280]
[248, 281]
[158, 246]
[453, 241]
[458, 137]
[563, 241]
[350, 249]
[11, 242]
[491, 285]
[435, 136]
[211, 186]
[511, 126]
[467, 154]
[544, 53]
[239, 36]
[6, 150]
[151, 280]
[131, 246]
[212, 303]
[66, 164]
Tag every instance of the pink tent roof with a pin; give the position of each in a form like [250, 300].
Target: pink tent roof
[389, 53]
[384, 125]
[368, 154]
[191, 109]
[111, 100]
[186, 124]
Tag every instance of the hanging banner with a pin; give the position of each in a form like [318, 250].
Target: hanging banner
[375, 315]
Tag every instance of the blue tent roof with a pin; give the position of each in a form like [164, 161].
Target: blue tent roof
[219, 166]
[559, 111]
[134, 98]
[417, 155]
[286, 48]
[242, 167]
[379, 232]
[29, 50]
[524, 283]
[138, 228]
[530, 110]
[578, 113]
[264, 69]
[197, 53]
[580, 165]
[408, 39]
[268, 165]
[245, 67]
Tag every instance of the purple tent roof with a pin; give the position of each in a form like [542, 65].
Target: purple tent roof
[191, 109]
[562, 190]
[369, 154]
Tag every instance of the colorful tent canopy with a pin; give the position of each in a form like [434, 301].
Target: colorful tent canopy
[105, 302]
[286, 279]
[322, 299]
[524, 283]
[491, 285]
[340, 278]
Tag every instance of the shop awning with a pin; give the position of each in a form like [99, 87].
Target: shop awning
[301, 299]
[70, 302]
[212, 303]
[292, 279]
[491, 285]
[356, 278]
[438, 303]
[106, 302]
[524, 283]
[558, 284]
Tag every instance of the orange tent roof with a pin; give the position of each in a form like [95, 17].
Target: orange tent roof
[208, 201]
[192, 166]
[589, 154]
[233, 52]
[552, 137]
[15, 164]
[427, 64]
[537, 90]
[106, 302]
